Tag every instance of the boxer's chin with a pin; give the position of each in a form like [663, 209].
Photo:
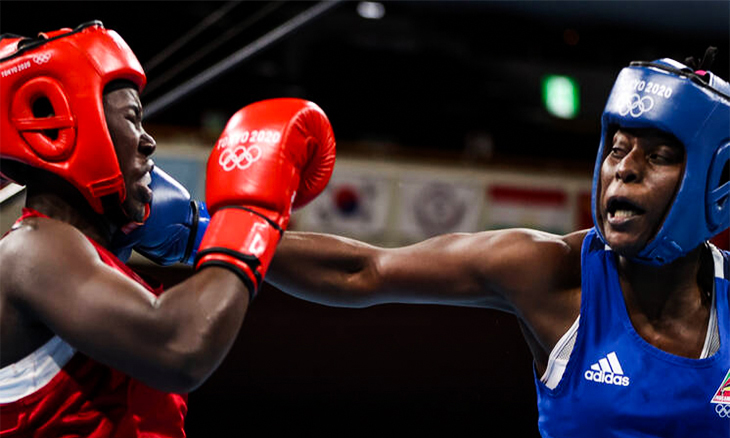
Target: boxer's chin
[134, 210]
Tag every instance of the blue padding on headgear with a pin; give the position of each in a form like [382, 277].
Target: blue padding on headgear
[666, 95]
[718, 201]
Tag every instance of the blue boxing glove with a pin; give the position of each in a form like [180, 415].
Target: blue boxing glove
[174, 228]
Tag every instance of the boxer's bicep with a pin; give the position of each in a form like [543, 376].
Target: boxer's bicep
[58, 280]
[532, 269]
[490, 269]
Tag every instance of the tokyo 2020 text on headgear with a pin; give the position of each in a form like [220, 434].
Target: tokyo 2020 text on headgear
[695, 108]
[67, 71]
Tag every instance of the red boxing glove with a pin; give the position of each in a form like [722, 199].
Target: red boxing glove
[273, 155]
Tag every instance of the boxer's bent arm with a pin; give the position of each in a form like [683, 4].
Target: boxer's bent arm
[510, 270]
[173, 343]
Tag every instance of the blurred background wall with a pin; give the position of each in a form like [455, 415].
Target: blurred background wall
[450, 116]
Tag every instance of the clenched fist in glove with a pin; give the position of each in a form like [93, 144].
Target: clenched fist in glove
[173, 230]
[272, 156]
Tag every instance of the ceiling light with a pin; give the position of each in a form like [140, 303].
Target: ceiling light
[561, 96]
[371, 10]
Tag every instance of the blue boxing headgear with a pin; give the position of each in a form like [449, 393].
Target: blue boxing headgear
[668, 96]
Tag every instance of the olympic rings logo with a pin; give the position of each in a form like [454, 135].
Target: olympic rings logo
[240, 157]
[723, 410]
[41, 58]
[636, 105]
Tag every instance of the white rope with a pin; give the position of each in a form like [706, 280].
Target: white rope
[9, 191]
[189, 35]
[231, 61]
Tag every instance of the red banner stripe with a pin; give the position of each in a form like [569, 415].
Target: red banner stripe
[516, 195]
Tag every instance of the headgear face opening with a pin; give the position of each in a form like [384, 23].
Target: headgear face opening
[666, 95]
[65, 72]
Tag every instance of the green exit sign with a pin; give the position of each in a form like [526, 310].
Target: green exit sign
[561, 96]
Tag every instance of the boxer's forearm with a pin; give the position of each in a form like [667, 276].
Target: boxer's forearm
[325, 269]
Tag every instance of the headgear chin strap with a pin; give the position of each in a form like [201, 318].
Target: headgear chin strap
[668, 96]
[64, 72]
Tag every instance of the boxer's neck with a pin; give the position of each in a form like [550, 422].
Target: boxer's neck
[669, 290]
[77, 213]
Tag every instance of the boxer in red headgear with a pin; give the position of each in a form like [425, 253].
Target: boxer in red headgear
[55, 120]
[88, 348]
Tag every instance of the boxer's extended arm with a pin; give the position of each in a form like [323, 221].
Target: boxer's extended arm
[506, 269]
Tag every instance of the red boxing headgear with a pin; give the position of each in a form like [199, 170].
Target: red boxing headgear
[68, 70]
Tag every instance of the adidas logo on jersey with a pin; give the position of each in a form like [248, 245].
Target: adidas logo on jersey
[608, 370]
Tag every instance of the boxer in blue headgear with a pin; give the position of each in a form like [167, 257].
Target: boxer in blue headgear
[692, 106]
[628, 322]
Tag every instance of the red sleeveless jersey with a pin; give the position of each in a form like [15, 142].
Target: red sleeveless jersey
[85, 398]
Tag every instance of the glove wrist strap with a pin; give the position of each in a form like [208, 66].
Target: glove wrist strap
[240, 240]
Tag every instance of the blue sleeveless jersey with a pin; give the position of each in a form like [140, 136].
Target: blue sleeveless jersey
[618, 385]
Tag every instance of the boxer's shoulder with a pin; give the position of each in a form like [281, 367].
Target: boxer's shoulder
[538, 273]
[539, 252]
[34, 233]
[38, 249]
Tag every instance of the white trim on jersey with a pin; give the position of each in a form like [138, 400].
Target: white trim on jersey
[559, 357]
[712, 329]
[718, 260]
[712, 341]
[34, 371]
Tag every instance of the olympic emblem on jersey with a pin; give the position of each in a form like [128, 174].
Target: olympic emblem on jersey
[636, 105]
[723, 410]
[241, 157]
[41, 58]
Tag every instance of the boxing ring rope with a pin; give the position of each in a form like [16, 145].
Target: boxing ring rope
[237, 57]
[189, 35]
[179, 67]
[9, 191]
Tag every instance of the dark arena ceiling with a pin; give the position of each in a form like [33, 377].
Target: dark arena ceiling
[427, 76]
